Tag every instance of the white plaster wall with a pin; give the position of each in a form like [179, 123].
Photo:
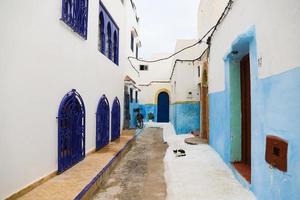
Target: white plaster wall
[209, 12]
[277, 33]
[41, 59]
[158, 71]
[148, 93]
[186, 73]
[186, 82]
[130, 23]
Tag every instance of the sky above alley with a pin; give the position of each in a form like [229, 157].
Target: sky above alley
[162, 22]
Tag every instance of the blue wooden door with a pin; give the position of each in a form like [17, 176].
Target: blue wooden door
[115, 120]
[163, 107]
[71, 131]
[102, 123]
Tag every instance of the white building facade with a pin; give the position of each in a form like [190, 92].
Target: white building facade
[48, 51]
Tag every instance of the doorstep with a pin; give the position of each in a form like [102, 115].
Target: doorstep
[80, 181]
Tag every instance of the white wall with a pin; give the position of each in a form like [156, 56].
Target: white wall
[131, 23]
[186, 82]
[158, 71]
[148, 93]
[186, 73]
[41, 59]
[277, 34]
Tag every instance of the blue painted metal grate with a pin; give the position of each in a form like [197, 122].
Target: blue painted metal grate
[75, 15]
[102, 123]
[115, 120]
[71, 131]
[108, 43]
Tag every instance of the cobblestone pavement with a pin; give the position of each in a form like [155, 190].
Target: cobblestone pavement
[140, 174]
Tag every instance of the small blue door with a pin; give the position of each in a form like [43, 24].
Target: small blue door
[102, 123]
[71, 131]
[115, 120]
[163, 107]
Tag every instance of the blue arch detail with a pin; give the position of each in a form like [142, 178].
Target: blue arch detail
[71, 131]
[115, 120]
[102, 123]
[163, 107]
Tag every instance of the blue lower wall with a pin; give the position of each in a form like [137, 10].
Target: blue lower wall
[132, 106]
[185, 117]
[276, 106]
[149, 108]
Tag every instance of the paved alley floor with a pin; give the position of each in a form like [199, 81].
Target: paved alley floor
[201, 174]
[140, 174]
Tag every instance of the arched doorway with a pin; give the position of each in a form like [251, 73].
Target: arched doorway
[163, 107]
[71, 131]
[102, 123]
[115, 120]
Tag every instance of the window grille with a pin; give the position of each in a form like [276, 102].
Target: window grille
[75, 15]
[108, 35]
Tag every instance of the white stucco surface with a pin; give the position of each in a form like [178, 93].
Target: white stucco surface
[41, 59]
[277, 29]
[148, 93]
[201, 174]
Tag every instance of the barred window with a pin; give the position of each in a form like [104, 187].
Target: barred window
[101, 45]
[75, 15]
[108, 35]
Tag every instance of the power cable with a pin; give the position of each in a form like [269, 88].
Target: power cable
[208, 42]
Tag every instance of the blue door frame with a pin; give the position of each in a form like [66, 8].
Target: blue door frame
[163, 107]
[71, 131]
[115, 120]
[102, 123]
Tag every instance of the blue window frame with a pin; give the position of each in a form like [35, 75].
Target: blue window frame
[101, 45]
[71, 131]
[102, 123]
[116, 48]
[75, 15]
[108, 35]
[108, 42]
[115, 120]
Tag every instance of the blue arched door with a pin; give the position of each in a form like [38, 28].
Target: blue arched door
[163, 107]
[115, 120]
[102, 123]
[71, 131]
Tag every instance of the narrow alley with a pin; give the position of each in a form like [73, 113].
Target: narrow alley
[140, 174]
[150, 100]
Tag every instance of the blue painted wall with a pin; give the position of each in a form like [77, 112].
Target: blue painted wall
[147, 108]
[132, 106]
[185, 117]
[278, 100]
[275, 110]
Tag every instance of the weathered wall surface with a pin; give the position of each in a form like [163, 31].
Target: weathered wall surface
[259, 28]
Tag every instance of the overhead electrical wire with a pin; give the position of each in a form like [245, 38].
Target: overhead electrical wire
[208, 42]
